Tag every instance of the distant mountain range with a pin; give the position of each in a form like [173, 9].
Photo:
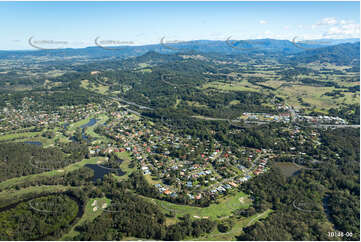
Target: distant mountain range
[340, 54]
[204, 46]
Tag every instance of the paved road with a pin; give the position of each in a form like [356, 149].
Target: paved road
[260, 122]
[336, 126]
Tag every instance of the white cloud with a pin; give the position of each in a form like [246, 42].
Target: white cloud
[333, 28]
[328, 21]
[349, 30]
[343, 22]
[268, 33]
[262, 22]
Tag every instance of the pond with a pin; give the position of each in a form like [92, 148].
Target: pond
[100, 171]
[90, 123]
[84, 137]
[33, 143]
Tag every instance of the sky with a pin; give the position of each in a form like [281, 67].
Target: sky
[27, 25]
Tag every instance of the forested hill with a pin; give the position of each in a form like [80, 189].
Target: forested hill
[227, 46]
[342, 54]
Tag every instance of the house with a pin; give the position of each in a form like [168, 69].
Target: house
[257, 172]
[233, 184]
[227, 186]
[167, 192]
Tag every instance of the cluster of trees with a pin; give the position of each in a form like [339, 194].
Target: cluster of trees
[350, 112]
[79, 177]
[333, 191]
[37, 219]
[342, 54]
[138, 184]
[21, 159]
[130, 215]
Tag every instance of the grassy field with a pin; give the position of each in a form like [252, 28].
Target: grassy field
[291, 90]
[124, 166]
[18, 135]
[100, 88]
[88, 216]
[236, 230]
[74, 126]
[214, 211]
[47, 142]
[149, 179]
[19, 180]
[90, 130]
[234, 86]
[312, 95]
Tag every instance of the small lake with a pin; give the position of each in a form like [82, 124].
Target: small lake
[288, 168]
[90, 123]
[34, 143]
[100, 172]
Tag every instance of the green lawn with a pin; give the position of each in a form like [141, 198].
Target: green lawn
[124, 166]
[214, 211]
[90, 130]
[236, 230]
[88, 216]
[18, 135]
[76, 125]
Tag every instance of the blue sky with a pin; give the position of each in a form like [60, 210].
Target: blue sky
[77, 24]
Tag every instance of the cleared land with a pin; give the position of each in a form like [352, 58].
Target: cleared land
[215, 211]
